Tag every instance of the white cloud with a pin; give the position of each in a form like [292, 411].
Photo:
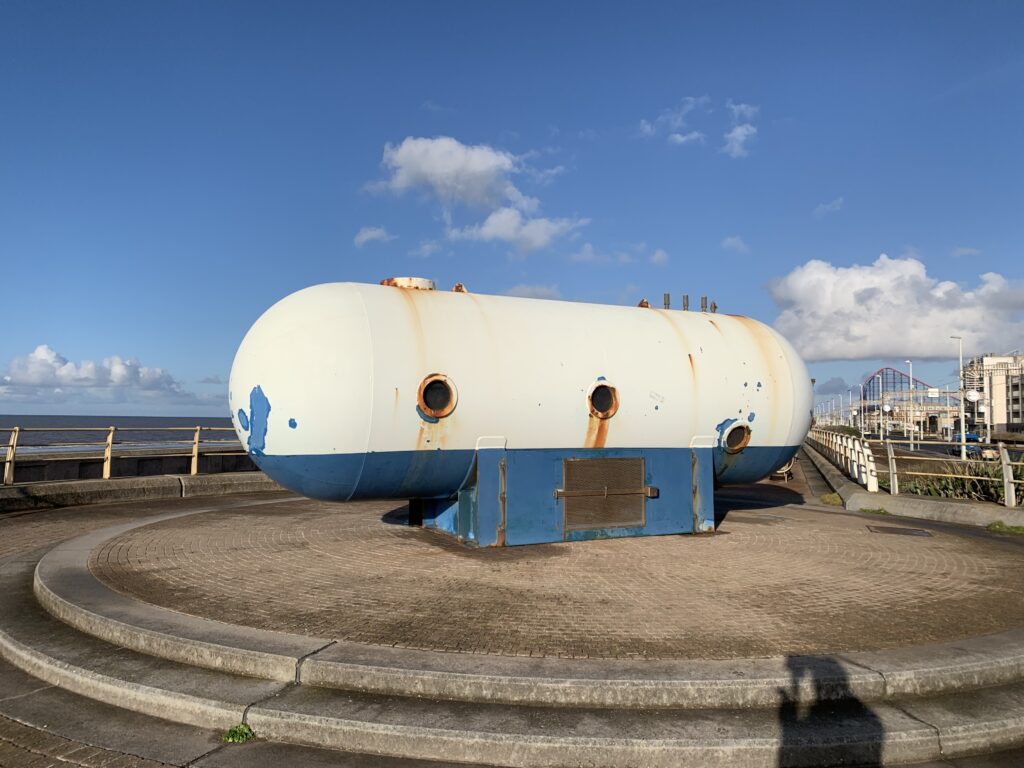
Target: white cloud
[509, 225]
[743, 130]
[824, 209]
[426, 248]
[534, 291]
[475, 175]
[46, 376]
[893, 309]
[685, 138]
[673, 120]
[736, 140]
[369, 234]
[742, 113]
[961, 251]
[588, 254]
[659, 257]
[735, 243]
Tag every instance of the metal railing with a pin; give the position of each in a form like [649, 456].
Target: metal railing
[857, 456]
[112, 448]
[851, 454]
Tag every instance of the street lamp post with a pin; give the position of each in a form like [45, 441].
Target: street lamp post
[963, 416]
[912, 408]
[860, 408]
[881, 404]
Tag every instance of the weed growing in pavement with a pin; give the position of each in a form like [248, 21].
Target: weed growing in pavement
[239, 734]
[1000, 527]
[832, 499]
[875, 511]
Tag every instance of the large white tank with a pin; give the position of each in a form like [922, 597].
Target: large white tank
[348, 390]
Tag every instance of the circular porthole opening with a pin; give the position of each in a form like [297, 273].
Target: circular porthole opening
[736, 439]
[437, 396]
[603, 401]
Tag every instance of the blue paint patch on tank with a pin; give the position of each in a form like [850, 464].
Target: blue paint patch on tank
[293, 423]
[259, 412]
[425, 417]
[243, 420]
[750, 418]
[724, 425]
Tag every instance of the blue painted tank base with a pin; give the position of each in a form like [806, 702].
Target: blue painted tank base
[497, 497]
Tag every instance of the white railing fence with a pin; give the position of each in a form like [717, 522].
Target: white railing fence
[855, 456]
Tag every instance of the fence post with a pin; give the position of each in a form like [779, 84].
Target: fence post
[894, 483]
[12, 449]
[108, 450]
[1009, 489]
[872, 474]
[195, 452]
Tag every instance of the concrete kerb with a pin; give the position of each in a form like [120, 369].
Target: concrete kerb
[66, 493]
[66, 587]
[856, 499]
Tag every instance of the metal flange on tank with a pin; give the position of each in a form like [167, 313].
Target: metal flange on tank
[515, 421]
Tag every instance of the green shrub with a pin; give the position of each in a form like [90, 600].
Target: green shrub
[966, 487]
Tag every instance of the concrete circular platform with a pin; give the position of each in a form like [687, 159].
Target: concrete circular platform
[771, 582]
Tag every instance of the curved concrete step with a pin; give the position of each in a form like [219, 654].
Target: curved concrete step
[65, 586]
[820, 733]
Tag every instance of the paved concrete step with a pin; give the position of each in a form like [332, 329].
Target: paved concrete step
[66, 587]
[827, 733]
[35, 642]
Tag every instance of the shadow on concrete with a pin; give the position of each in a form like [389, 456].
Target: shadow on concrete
[832, 715]
[736, 498]
[397, 516]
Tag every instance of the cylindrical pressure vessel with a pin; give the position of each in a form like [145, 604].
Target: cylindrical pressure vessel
[346, 390]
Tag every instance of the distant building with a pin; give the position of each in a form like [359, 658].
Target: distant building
[999, 382]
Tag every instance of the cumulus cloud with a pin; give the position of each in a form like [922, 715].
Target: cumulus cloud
[735, 243]
[736, 140]
[659, 257]
[510, 226]
[369, 234]
[672, 121]
[534, 291]
[893, 308]
[211, 380]
[475, 175]
[743, 129]
[742, 113]
[824, 209]
[44, 376]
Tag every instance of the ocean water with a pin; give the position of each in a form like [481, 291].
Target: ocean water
[52, 432]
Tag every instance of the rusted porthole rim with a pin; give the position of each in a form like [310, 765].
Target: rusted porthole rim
[743, 444]
[615, 399]
[453, 400]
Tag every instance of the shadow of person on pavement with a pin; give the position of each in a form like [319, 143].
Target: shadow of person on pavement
[820, 708]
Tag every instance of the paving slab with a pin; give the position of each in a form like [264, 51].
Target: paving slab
[771, 582]
[83, 722]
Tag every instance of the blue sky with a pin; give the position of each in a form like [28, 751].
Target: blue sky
[169, 170]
